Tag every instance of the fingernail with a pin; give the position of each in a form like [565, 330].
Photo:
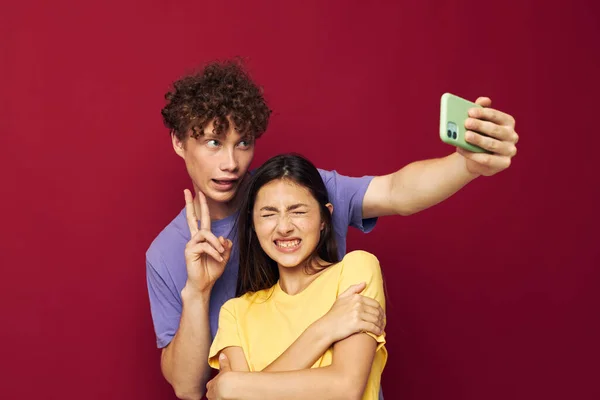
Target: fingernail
[221, 259]
[469, 135]
[221, 356]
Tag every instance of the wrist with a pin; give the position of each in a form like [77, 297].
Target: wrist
[233, 385]
[464, 167]
[191, 293]
[322, 333]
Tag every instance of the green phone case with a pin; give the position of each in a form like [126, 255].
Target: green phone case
[453, 113]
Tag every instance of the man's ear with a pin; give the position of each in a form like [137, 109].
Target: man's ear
[178, 145]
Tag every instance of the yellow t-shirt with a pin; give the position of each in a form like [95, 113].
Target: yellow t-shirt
[265, 323]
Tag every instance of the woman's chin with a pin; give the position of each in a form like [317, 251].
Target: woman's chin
[288, 261]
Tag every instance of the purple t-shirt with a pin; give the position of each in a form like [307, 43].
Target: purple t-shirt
[166, 272]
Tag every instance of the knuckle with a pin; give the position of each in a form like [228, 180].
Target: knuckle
[497, 130]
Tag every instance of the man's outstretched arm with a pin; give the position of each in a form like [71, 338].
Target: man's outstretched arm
[423, 184]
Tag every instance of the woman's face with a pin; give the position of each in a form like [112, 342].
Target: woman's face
[287, 221]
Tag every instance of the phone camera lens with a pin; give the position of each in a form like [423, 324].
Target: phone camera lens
[449, 133]
[454, 135]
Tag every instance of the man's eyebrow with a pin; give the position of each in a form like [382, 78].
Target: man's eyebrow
[210, 134]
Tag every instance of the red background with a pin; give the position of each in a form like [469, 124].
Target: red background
[492, 294]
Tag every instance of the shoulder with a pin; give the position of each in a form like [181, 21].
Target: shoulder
[344, 184]
[361, 266]
[324, 173]
[329, 177]
[360, 256]
[360, 262]
[167, 242]
[231, 305]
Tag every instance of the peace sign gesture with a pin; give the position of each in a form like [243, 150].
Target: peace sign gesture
[205, 254]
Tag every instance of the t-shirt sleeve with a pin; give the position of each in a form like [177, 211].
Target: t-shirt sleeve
[227, 334]
[346, 194]
[165, 302]
[361, 266]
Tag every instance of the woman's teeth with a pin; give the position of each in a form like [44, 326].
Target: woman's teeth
[287, 243]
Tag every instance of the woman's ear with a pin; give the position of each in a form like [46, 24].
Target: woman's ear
[330, 208]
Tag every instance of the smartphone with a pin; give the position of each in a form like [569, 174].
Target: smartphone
[453, 113]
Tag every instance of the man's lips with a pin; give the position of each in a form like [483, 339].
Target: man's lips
[224, 184]
[226, 179]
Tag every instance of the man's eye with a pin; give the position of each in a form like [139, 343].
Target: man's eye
[299, 212]
[244, 144]
[213, 143]
[267, 215]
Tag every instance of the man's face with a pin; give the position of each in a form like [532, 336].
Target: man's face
[216, 163]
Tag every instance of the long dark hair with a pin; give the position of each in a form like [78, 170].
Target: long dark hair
[257, 270]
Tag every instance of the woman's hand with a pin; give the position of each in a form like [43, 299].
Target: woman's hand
[221, 386]
[352, 313]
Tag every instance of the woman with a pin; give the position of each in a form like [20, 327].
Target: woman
[289, 278]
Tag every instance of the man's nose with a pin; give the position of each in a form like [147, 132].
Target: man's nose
[229, 162]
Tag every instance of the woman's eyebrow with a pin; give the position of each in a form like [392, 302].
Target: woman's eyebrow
[296, 206]
[288, 208]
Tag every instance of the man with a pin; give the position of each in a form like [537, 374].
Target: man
[215, 117]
